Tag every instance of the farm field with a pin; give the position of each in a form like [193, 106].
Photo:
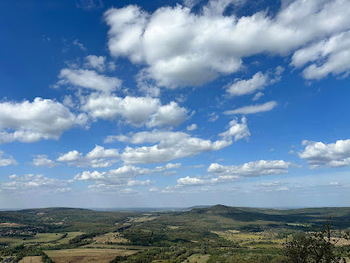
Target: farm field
[85, 255]
[35, 259]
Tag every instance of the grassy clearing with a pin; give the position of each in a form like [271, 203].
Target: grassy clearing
[198, 258]
[110, 238]
[70, 235]
[38, 238]
[252, 240]
[36, 259]
[86, 255]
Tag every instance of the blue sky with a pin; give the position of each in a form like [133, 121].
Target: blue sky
[174, 103]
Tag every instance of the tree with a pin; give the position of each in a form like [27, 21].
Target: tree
[315, 247]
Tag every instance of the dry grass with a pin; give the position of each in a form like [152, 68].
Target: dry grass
[141, 219]
[11, 225]
[86, 255]
[36, 259]
[198, 258]
[114, 238]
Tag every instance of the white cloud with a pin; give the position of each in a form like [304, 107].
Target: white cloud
[97, 157]
[43, 161]
[329, 56]
[174, 145]
[252, 109]
[168, 166]
[213, 117]
[183, 48]
[34, 183]
[6, 160]
[96, 62]
[251, 169]
[32, 121]
[258, 96]
[237, 130]
[115, 179]
[192, 127]
[243, 87]
[320, 154]
[258, 82]
[137, 111]
[190, 181]
[88, 79]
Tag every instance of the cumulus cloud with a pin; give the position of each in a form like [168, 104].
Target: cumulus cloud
[258, 82]
[32, 121]
[320, 154]
[190, 181]
[251, 169]
[96, 62]
[174, 145]
[88, 79]
[183, 48]
[34, 183]
[98, 157]
[6, 160]
[252, 109]
[43, 161]
[223, 174]
[243, 87]
[115, 179]
[191, 127]
[136, 111]
[328, 56]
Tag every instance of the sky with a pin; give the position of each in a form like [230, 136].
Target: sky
[111, 104]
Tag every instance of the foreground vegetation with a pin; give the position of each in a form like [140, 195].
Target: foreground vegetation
[212, 234]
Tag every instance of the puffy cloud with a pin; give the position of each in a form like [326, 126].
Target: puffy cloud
[243, 87]
[6, 160]
[192, 127]
[258, 82]
[168, 166]
[32, 121]
[183, 48]
[333, 154]
[115, 179]
[174, 145]
[190, 181]
[137, 111]
[88, 79]
[237, 130]
[96, 62]
[252, 109]
[250, 169]
[42, 161]
[328, 56]
[98, 157]
[34, 183]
